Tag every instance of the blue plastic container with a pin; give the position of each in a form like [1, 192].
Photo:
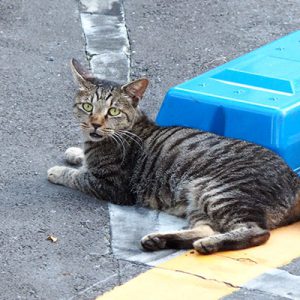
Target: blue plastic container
[255, 97]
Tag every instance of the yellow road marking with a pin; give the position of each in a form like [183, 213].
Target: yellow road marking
[281, 248]
[162, 284]
[212, 276]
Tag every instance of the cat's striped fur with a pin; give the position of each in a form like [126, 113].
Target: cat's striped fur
[232, 192]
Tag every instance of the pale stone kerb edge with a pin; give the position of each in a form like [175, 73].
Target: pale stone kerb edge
[107, 43]
[130, 223]
[278, 283]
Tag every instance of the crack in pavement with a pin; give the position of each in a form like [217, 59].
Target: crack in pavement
[240, 259]
[201, 277]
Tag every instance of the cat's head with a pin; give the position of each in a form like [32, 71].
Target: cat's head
[105, 108]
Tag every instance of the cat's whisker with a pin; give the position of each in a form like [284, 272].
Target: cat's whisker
[132, 134]
[131, 137]
[135, 137]
[115, 139]
[108, 131]
[84, 126]
[120, 139]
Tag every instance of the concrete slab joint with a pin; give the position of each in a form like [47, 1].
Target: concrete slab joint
[107, 44]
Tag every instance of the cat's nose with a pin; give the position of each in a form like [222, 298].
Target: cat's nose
[96, 125]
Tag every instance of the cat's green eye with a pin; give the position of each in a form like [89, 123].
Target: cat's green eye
[88, 107]
[113, 111]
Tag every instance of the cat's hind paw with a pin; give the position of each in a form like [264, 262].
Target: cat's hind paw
[74, 155]
[55, 174]
[153, 242]
[207, 245]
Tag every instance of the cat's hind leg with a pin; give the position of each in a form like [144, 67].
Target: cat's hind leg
[74, 155]
[241, 237]
[182, 239]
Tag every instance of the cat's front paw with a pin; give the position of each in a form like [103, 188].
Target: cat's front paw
[55, 174]
[153, 242]
[74, 155]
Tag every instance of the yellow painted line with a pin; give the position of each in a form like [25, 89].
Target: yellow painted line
[194, 274]
[281, 248]
[159, 284]
[216, 267]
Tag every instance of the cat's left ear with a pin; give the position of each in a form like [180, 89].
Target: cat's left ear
[136, 89]
[83, 76]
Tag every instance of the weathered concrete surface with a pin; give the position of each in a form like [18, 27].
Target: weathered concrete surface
[278, 283]
[129, 224]
[171, 41]
[37, 40]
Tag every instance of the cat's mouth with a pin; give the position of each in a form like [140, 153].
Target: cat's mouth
[95, 135]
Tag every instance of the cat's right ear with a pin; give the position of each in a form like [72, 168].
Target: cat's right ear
[82, 76]
[136, 89]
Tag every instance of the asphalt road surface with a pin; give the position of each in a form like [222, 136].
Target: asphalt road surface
[170, 41]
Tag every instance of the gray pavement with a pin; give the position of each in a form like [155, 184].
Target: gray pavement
[37, 40]
[169, 41]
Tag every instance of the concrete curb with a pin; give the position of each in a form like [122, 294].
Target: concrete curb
[107, 44]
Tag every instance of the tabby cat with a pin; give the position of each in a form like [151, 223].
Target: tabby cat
[232, 192]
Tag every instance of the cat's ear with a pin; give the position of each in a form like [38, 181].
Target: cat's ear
[136, 89]
[82, 76]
